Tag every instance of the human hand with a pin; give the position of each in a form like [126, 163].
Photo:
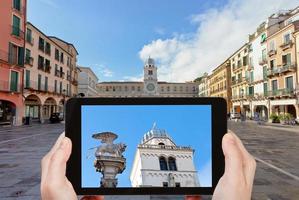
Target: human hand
[237, 181]
[54, 184]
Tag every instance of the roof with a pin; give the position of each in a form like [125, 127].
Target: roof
[64, 42]
[47, 37]
[88, 68]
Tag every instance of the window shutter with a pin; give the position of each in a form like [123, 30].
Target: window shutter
[21, 56]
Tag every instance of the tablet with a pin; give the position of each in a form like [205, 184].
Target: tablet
[143, 146]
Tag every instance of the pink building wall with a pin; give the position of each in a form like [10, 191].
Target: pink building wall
[12, 99]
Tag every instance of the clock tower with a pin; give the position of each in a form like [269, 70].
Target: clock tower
[150, 77]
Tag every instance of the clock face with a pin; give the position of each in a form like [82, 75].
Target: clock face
[150, 87]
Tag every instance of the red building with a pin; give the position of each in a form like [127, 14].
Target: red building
[12, 43]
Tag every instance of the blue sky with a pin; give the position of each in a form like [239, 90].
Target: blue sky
[186, 38]
[110, 33]
[187, 125]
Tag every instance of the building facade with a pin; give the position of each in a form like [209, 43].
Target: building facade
[12, 23]
[159, 162]
[282, 71]
[87, 82]
[219, 83]
[241, 93]
[149, 87]
[203, 86]
[48, 74]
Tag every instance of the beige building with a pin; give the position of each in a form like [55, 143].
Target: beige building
[49, 75]
[219, 83]
[240, 79]
[150, 86]
[87, 80]
[282, 69]
[203, 86]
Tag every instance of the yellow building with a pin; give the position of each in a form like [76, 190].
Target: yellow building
[282, 67]
[219, 83]
[240, 79]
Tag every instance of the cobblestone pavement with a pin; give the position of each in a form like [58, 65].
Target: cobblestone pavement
[276, 148]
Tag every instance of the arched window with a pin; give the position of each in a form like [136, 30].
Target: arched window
[172, 164]
[163, 163]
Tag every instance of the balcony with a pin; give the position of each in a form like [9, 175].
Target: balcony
[29, 61]
[280, 70]
[262, 60]
[240, 80]
[6, 86]
[287, 45]
[285, 92]
[272, 52]
[250, 67]
[59, 73]
[16, 31]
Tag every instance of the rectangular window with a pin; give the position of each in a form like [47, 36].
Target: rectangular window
[14, 79]
[48, 48]
[61, 57]
[41, 44]
[16, 55]
[289, 82]
[150, 72]
[165, 184]
[27, 83]
[274, 85]
[46, 83]
[272, 64]
[265, 72]
[39, 82]
[251, 90]
[55, 86]
[29, 36]
[251, 76]
[264, 55]
[286, 59]
[16, 26]
[47, 66]
[177, 185]
[41, 62]
[67, 89]
[56, 54]
[265, 89]
[272, 46]
[17, 4]
[286, 38]
[245, 60]
[60, 88]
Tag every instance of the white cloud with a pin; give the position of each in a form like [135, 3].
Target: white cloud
[219, 33]
[102, 71]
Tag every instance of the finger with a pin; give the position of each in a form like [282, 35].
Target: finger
[248, 161]
[46, 159]
[233, 158]
[92, 198]
[57, 165]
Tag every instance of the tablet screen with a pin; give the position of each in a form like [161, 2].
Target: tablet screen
[146, 146]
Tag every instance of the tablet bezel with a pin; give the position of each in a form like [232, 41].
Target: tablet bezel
[73, 131]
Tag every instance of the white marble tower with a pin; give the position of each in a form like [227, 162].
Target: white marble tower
[159, 162]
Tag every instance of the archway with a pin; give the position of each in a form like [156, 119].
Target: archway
[261, 111]
[49, 107]
[7, 112]
[32, 107]
[292, 110]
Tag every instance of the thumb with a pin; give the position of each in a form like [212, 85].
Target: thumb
[58, 161]
[233, 158]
